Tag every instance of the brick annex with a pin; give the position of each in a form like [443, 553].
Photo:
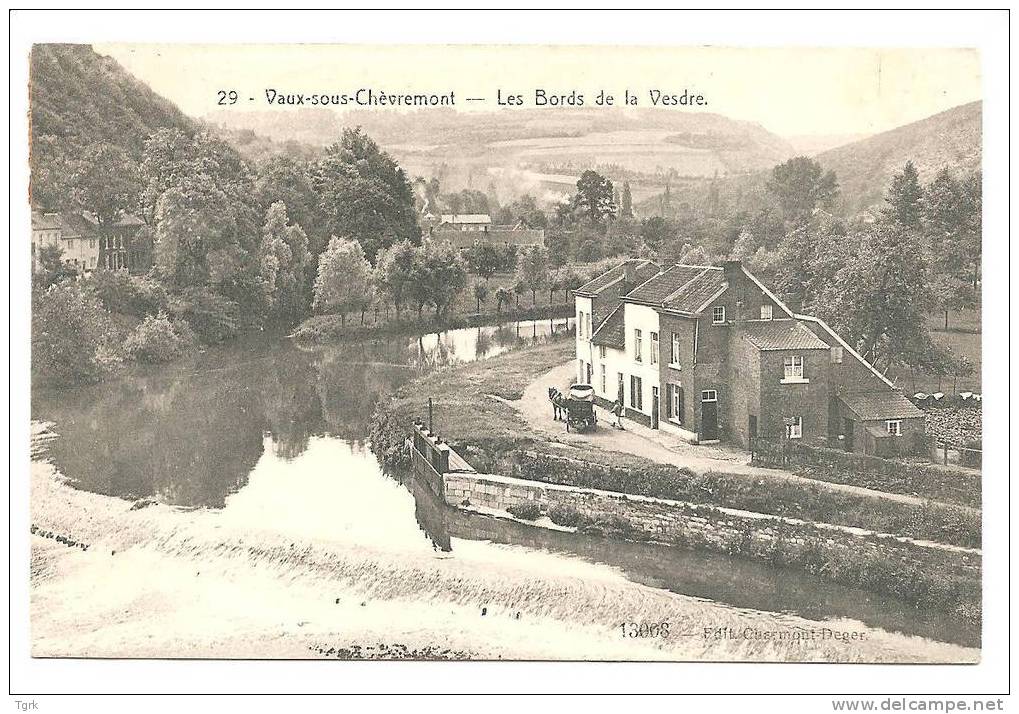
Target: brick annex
[711, 354]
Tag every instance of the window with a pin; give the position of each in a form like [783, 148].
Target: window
[718, 315]
[766, 312]
[674, 399]
[836, 354]
[794, 368]
[894, 427]
[590, 332]
[603, 381]
[794, 427]
[709, 395]
[601, 351]
[580, 325]
[637, 348]
[654, 348]
[620, 391]
[636, 393]
[674, 356]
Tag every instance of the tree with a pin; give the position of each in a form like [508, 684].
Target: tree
[626, 207]
[395, 272]
[104, 182]
[951, 219]
[71, 334]
[480, 292]
[364, 194]
[344, 278]
[801, 185]
[953, 294]
[655, 231]
[519, 288]
[483, 259]
[287, 179]
[874, 288]
[193, 221]
[284, 264]
[440, 275]
[503, 296]
[594, 196]
[533, 270]
[904, 198]
[52, 267]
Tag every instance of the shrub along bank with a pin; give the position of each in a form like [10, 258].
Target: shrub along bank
[943, 524]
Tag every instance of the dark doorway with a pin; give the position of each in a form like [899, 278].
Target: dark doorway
[752, 428]
[847, 430]
[709, 415]
[655, 406]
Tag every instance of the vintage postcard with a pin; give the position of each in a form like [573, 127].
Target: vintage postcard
[338, 353]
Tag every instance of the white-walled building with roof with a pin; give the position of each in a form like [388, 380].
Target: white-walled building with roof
[710, 353]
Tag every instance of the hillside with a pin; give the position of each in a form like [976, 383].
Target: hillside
[865, 168]
[536, 150]
[79, 97]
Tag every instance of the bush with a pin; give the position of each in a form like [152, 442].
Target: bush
[72, 335]
[565, 515]
[527, 510]
[128, 294]
[213, 318]
[158, 339]
[388, 432]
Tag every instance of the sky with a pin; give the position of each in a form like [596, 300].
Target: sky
[791, 92]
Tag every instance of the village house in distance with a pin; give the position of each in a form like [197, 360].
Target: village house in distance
[710, 354]
[123, 246]
[463, 230]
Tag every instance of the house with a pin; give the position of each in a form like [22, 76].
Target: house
[72, 233]
[465, 222]
[709, 353]
[466, 230]
[124, 245]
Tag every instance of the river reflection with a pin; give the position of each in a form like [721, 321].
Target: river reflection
[191, 433]
[274, 436]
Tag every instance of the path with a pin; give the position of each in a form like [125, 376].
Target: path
[660, 446]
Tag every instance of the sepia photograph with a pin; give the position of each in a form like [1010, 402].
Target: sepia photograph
[469, 352]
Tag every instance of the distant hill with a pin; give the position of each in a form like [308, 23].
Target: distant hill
[865, 168]
[78, 97]
[541, 151]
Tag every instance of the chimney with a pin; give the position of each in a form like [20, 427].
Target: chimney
[736, 278]
[629, 274]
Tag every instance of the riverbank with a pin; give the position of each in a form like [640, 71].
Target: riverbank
[321, 329]
[160, 581]
[475, 409]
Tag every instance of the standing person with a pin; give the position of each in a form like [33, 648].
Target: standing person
[617, 411]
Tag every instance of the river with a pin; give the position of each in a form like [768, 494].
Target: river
[272, 435]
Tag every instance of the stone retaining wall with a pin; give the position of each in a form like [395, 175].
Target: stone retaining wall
[707, 527]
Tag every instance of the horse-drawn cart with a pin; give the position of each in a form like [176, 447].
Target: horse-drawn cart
[580, 414]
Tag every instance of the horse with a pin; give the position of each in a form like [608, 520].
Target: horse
[558, 403]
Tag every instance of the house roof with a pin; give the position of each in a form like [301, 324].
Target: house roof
[781, 335]
[664, 284]
[45, 221]
[886, 404]
[703, 287]
[466, 218]
[612, 332]
[643, 269]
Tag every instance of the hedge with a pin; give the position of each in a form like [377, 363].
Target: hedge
[916, 479]
[928, 521]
